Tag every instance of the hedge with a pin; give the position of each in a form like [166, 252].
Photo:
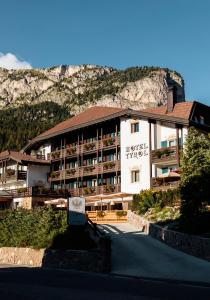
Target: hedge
[35, 228]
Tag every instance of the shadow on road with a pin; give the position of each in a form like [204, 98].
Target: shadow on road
[37, 283]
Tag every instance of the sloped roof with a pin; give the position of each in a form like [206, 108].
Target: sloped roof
[21, 157]
[181, 110]
[91, 114]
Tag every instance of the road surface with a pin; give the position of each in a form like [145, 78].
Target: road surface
[37, 284]
[136, 254]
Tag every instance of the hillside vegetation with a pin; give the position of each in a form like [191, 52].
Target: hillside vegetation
[19, 125]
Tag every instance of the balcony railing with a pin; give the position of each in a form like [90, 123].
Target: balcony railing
[37, 191]
[71, 151]
[165, 183]
[95, 190]
[105, 167]
[164, 154]
[13, 175]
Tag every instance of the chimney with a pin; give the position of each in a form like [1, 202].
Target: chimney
[171, 98]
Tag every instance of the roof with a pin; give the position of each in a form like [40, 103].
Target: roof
[91, 114]
[181, 110]
[180, 114]
[21, 157]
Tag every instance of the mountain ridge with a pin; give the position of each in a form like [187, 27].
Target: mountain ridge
[82, 86]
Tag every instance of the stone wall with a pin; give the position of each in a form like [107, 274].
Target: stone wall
[139, 222]
[193, 245]
[96, 260]
[21, 256]
[82, 260]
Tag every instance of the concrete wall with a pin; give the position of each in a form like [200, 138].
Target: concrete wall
[193, 245]
[134, 155]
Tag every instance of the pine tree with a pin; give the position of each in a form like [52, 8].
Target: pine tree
[195, 180]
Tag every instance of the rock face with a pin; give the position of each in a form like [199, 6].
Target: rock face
[83, 86]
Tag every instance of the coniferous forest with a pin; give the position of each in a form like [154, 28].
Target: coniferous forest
[19, 125]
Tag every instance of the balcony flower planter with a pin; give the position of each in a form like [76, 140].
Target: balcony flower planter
[89, 169]
[89, 190]
[10, 172]
[163, 153]
[71, 150]
[90, 146]
[70, 172]
[55, 175]
[109, 188]
[56, 154]
[108, 165]
[108, 142]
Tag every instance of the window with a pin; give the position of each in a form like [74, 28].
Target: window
[202, 120]
[172, 143]
[135, 176]
[135, 127]
[163, 144]
[164, 170]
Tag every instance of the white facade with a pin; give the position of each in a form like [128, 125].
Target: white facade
[134, 156]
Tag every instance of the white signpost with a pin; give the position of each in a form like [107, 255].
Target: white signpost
[76, 211]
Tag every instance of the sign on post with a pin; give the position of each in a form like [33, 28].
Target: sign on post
[76, 211]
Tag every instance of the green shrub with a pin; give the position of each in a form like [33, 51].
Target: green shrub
[31, 228]
[100, 214]
[121, 213]
[154, 199]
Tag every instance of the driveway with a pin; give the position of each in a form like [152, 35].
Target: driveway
[136, 254]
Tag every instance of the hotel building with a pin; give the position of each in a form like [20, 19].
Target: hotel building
[107, 154]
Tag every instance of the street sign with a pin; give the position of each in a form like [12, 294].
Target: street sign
[76, 211]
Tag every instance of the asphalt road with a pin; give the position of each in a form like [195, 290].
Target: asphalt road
[136, 254]
[32, 283]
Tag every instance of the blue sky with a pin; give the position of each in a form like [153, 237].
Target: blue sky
[118, 33]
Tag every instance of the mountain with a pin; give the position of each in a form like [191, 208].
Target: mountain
[82, 86]
[32, 101]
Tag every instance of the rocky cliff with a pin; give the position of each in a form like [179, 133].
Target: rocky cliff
[82, 86]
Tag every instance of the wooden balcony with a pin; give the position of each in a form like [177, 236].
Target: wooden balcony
[67, 152]
[13, 175]
[105, 167]
[109, 143]
[90, 147]
[111, 166]
[37, 191]
[96, 190]
[165, 183]
[164, 155]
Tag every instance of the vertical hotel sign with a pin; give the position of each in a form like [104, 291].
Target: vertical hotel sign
[76, 211]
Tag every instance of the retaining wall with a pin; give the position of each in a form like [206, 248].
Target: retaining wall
[193, 245]
[96, 260]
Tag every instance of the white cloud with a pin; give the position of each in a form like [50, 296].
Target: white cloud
[10, 61]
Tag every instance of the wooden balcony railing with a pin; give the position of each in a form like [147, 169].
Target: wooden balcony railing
[164, 154]
[37, 191]
[165, 182]
[13, 175]
[96, 190]
[71, 151]
[105, 167]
